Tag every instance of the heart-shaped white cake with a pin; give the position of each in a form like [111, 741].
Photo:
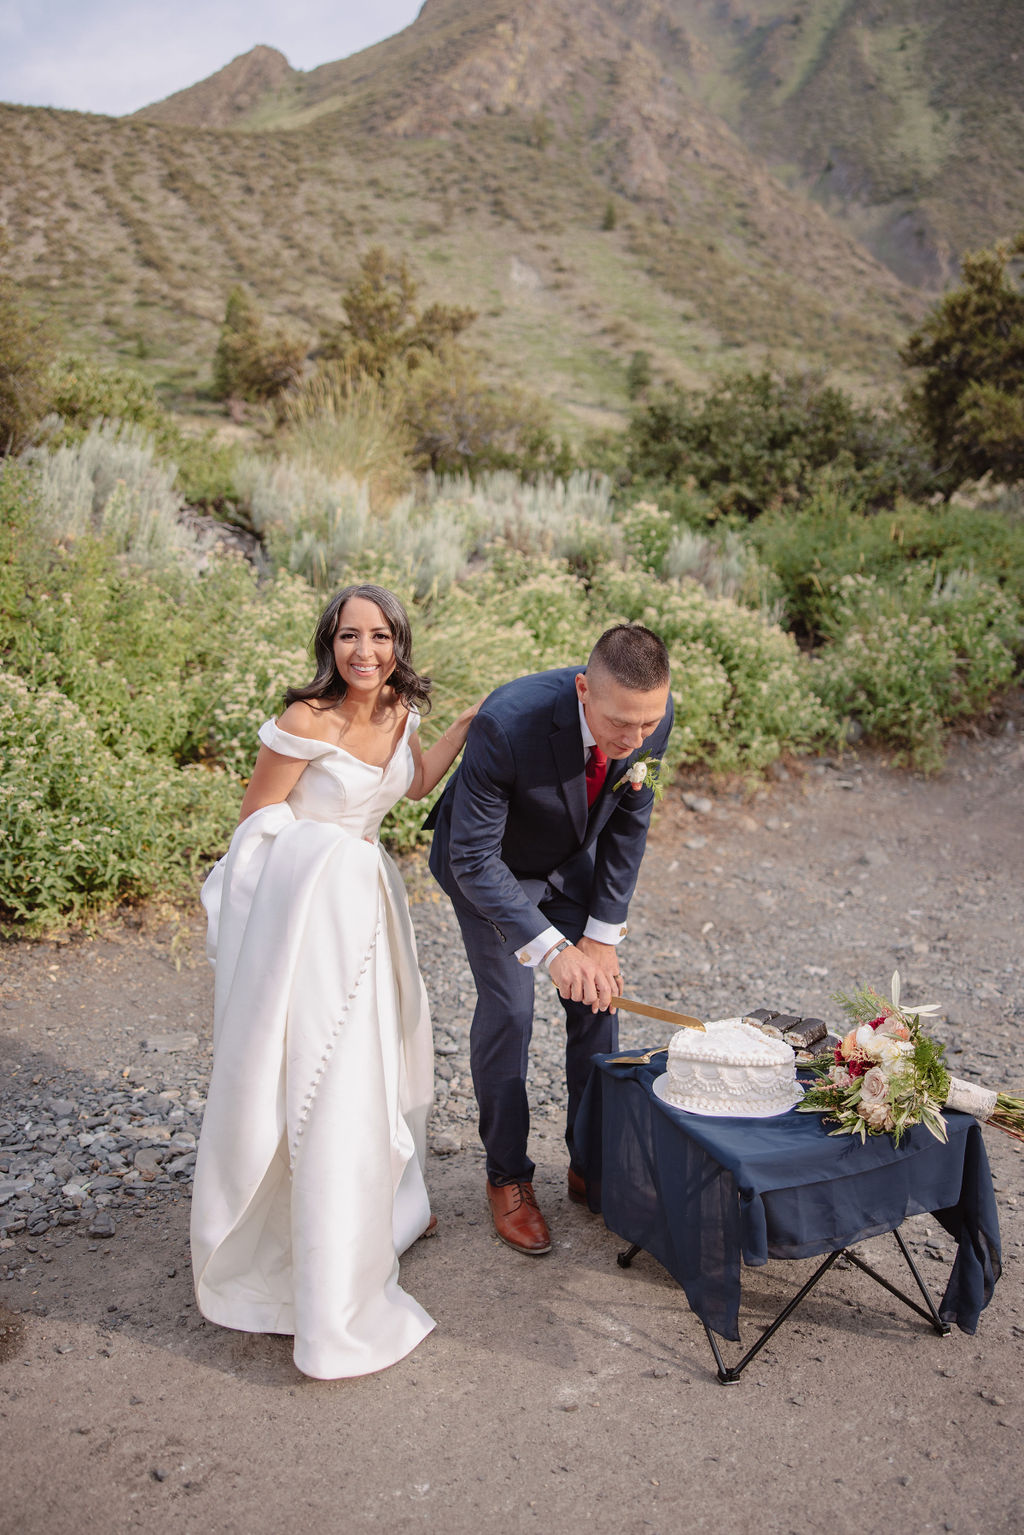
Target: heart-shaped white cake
[731, 1069]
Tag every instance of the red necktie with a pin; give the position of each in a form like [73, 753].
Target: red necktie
[597, 771]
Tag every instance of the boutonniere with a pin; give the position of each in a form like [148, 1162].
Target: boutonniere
[645, 770]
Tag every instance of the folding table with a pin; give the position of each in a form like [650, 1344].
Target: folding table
[707, 1195]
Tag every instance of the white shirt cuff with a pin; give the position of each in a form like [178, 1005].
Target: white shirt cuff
[533, 952]
[605, 932]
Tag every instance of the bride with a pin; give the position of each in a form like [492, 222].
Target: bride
[309, 1178]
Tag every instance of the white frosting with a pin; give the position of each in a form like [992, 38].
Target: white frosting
[731, 1069]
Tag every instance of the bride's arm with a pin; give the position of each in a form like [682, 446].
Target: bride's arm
[431, 765]
[273, 779]
[275, 774]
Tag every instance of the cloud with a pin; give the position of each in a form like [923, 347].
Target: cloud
[114, 56]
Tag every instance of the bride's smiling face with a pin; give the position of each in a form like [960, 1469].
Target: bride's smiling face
[364, 649]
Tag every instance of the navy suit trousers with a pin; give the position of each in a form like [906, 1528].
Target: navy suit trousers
[501, 1032]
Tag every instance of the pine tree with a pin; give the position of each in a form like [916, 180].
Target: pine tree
[969, 353]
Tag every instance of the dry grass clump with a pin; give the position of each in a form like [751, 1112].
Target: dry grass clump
[349, 426]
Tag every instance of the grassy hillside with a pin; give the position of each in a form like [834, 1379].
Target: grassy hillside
[493, 147]
[904, 120]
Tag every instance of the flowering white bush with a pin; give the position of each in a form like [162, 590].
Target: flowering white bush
[908, 658]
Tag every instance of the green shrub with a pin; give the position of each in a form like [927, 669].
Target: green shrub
[968, 358]
[262, 636]
[384, 328]
[910, 656]
[157, 659]
[83, 826]
[311, 523]
[207, 472]
[830, 537]
[756, 441]
[26, 350]
[111, 482]
[343, 424]
[458, 421]
[256, 360]
[82, 393]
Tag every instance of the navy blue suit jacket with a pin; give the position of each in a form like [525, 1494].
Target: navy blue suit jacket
[516, 811]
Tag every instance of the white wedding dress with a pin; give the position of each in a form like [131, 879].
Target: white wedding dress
[309, 1177]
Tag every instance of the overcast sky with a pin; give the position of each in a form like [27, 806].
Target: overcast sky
[117, 55]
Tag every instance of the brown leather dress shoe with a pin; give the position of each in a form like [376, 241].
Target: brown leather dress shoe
[517, 1218]
[577, 1189]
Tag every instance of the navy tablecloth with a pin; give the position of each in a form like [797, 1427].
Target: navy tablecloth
[701, 1194]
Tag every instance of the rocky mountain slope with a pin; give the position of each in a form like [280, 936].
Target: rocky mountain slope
[902, 120]
[596, 177]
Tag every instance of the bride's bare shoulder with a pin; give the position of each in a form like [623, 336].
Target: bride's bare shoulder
[306, 719]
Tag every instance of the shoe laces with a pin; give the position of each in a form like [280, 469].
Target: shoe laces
[525, 1196]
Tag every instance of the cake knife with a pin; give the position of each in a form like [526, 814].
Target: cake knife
[665, 1014]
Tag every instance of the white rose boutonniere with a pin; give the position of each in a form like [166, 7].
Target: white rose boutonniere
[645, 770]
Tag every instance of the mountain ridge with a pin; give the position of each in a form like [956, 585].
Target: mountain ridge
[893, 119]
[581, 174]
[228, 95]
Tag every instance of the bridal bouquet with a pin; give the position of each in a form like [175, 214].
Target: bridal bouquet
[887, 1075]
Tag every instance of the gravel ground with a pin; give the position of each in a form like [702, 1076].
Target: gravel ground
[124, 1410]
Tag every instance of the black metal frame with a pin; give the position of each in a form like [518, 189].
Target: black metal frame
[728, 1375]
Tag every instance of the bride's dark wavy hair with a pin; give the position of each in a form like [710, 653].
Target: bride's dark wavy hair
[412, 689]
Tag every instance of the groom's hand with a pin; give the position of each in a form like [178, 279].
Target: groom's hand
[588, 972]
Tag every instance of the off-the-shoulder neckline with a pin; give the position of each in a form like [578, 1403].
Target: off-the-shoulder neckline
[329, 746]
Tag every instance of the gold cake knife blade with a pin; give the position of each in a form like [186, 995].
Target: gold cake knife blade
[648, 1010]
[665, 1014]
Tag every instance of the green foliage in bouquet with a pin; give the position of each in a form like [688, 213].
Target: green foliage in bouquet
[887, 1074]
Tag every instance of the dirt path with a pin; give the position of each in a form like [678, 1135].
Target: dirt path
[560, 1393]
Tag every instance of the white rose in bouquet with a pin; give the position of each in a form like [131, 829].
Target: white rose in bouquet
[874, 1088]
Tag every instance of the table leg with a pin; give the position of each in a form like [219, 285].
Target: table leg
[931, 1315]
[729, 1376]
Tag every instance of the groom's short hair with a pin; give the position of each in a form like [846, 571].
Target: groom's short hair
[632, 656]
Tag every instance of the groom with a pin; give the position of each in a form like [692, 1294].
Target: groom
[538, 840]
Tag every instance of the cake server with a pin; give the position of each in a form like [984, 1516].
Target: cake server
[636, 1060]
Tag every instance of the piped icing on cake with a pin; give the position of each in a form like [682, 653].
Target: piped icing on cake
[731, 1069]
